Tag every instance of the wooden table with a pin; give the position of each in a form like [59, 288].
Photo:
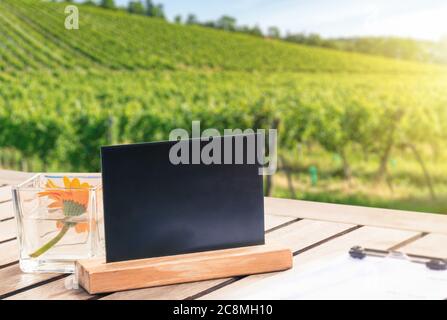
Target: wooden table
[314, 231]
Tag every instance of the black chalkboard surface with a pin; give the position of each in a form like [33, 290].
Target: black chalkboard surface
[154, 208]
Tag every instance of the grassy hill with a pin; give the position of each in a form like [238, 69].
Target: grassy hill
[375, 128]
[33, 36]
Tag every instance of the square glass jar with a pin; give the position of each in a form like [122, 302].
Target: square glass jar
[59, 220]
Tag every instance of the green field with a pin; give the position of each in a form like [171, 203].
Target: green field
[374, 128]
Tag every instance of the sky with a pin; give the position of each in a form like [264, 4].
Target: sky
[419, 19]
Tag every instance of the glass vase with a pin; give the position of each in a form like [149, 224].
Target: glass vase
[59, 220]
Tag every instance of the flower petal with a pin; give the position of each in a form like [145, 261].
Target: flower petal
[75, 183]
[55, 205]
[81, 197]
[67, 183]
[81, 227]
[50, 184]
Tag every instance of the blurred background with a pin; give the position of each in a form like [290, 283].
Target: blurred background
[356, 89]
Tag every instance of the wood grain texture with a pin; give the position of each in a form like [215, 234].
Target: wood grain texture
[9, 252]
[172, 292]
[296, 236]
[372, 237]
[5, 194]
[8, 230]
[432, 245]
[54, 290]
[12, 278]
[10, 177]
[57, 290]
[403, 220]
[96, 276]
[304, 234]
[6, 210]
[275, 221]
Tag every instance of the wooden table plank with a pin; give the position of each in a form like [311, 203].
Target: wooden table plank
[304, 233]
[57, 289]
[276, 221]
[9, 252]
[297, 235]
[432, 245]
[13, 177]
[13, 279]
[8, 230]
[54, 290]
[396, 219]
[5, 194]
[6, 210]
[379, 238]
[307, 235]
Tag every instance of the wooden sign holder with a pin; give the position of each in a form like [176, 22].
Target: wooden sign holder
[96, 276]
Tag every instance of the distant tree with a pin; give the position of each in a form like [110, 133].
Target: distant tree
[158, 11]
[90, 3]
[312, 39]
[256, 31]
[154, 10]
[226, 23]
[393, 47]
[149, 7]
[209, 24]
[315, 39]
[243, 29]
[135, 7]
[108, 4]
[273, 32]
[192, 19]
[178, 19]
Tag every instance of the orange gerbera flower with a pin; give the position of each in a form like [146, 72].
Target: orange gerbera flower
[72, 199]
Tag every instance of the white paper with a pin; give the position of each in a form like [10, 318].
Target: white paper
[348, 278]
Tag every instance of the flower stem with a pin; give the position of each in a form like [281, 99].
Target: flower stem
[50, 243]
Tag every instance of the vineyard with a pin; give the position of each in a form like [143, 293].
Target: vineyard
[366, 123]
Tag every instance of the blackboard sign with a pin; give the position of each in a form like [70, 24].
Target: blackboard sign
[161, 199]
